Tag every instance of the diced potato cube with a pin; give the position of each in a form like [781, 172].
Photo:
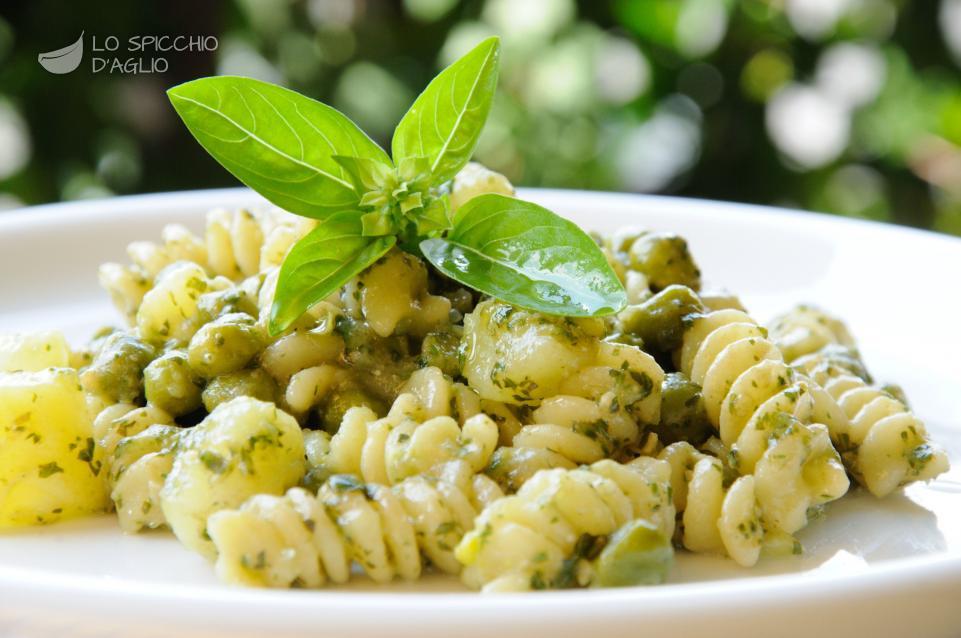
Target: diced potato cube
[33, 352]
[517, 356]
[244, 447]
[49, 466]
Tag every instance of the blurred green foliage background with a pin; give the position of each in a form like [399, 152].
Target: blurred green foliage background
[847, 106]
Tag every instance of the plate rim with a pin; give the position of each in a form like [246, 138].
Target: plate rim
[93, 207]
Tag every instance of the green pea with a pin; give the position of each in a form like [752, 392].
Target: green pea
[245, 383]
[683, 417]
[225, 345]
[442, 350]
[382, 364]
[461, 300]
[172, 385]
[314, 479]
[664, 259]
[117, 371]
[659, 321]
[344, 398]
[636, 554]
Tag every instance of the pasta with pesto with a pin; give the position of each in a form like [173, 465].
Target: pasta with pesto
[770, 420]
[304, 540]
[717, 511]
[532, 540]
[883, 444]
[407, 442]
[405, 423]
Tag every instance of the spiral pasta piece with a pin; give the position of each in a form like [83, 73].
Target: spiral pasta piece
[439, 396]
[177, 244]
[623, 380]
[127, 285]
[716, 515]
[301, 540]
[769, 418]
[236, 244]
[407, 442]
[281, 230]
[600, 413]
[234, 239]
[564, 432]
[884, 445]
[121, 420]
[806, 329]
[392, 297]
[529, 540]
[476, 179]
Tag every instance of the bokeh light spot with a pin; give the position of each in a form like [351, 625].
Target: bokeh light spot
[807, 126]
[14, 140]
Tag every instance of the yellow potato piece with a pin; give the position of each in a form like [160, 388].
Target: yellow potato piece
[33, 352]
[49, 466]
[244, 447]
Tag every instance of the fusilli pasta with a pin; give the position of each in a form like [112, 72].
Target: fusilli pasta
[764, 415]
[528, 540]
[138, 468]
[302, 540]
[244, 447]
[718, 512]
[805, 330]
[407, 442]
[883, 443]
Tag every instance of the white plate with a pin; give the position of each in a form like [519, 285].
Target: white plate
[881, 568]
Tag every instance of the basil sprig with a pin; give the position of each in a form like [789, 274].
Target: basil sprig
[311, 160]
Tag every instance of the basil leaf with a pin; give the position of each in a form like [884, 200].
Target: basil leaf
[526, 255]
[320, 263]
[445, 121]
[276, 141]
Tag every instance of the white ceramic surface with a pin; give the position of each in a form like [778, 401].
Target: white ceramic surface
[880, 568]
